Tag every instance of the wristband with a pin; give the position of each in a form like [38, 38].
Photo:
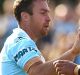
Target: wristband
[76, 70]
[79, 71]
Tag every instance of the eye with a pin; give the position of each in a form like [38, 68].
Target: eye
[43, 13]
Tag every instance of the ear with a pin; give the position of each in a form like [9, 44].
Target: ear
[25, 16]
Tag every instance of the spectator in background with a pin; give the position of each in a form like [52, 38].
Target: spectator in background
[2, 29]
[11, 21]
[1, 7]
[7, 21]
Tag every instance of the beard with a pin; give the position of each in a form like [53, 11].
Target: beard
[44, 31]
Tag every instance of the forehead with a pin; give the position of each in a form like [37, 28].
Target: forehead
[41, 5]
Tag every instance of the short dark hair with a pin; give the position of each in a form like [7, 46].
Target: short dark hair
[22, 5]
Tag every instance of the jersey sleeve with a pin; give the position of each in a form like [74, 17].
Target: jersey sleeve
[23, 52]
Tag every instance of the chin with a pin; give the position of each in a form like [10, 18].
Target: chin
[45, 34]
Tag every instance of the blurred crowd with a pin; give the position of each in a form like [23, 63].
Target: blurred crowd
[7, 20]
[65, 21]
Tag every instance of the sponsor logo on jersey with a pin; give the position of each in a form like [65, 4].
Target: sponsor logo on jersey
[23, 52]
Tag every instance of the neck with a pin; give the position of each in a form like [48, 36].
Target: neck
[27, 29]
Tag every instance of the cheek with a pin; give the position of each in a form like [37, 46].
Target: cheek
[38, 22]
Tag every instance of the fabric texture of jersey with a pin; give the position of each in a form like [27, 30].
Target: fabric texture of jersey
[18, 49]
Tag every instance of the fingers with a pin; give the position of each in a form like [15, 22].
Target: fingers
[59, 65]
[60, 73]
[59, 70]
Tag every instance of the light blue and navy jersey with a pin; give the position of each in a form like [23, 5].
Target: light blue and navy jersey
[18, 49]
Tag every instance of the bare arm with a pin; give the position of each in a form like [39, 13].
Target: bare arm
[75, 50]
[48, 68]
[42, 69]
[39, 67]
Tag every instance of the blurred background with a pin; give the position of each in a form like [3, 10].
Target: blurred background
[65, 21]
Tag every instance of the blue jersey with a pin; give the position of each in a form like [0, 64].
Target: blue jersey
[18, 49]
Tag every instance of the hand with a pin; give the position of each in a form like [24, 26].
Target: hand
[64, 67]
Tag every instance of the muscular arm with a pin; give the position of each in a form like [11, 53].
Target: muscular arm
[47, 68]
[41, 68]
[75, 50]
[69, 55]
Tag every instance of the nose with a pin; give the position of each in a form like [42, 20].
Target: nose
[48, 18]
